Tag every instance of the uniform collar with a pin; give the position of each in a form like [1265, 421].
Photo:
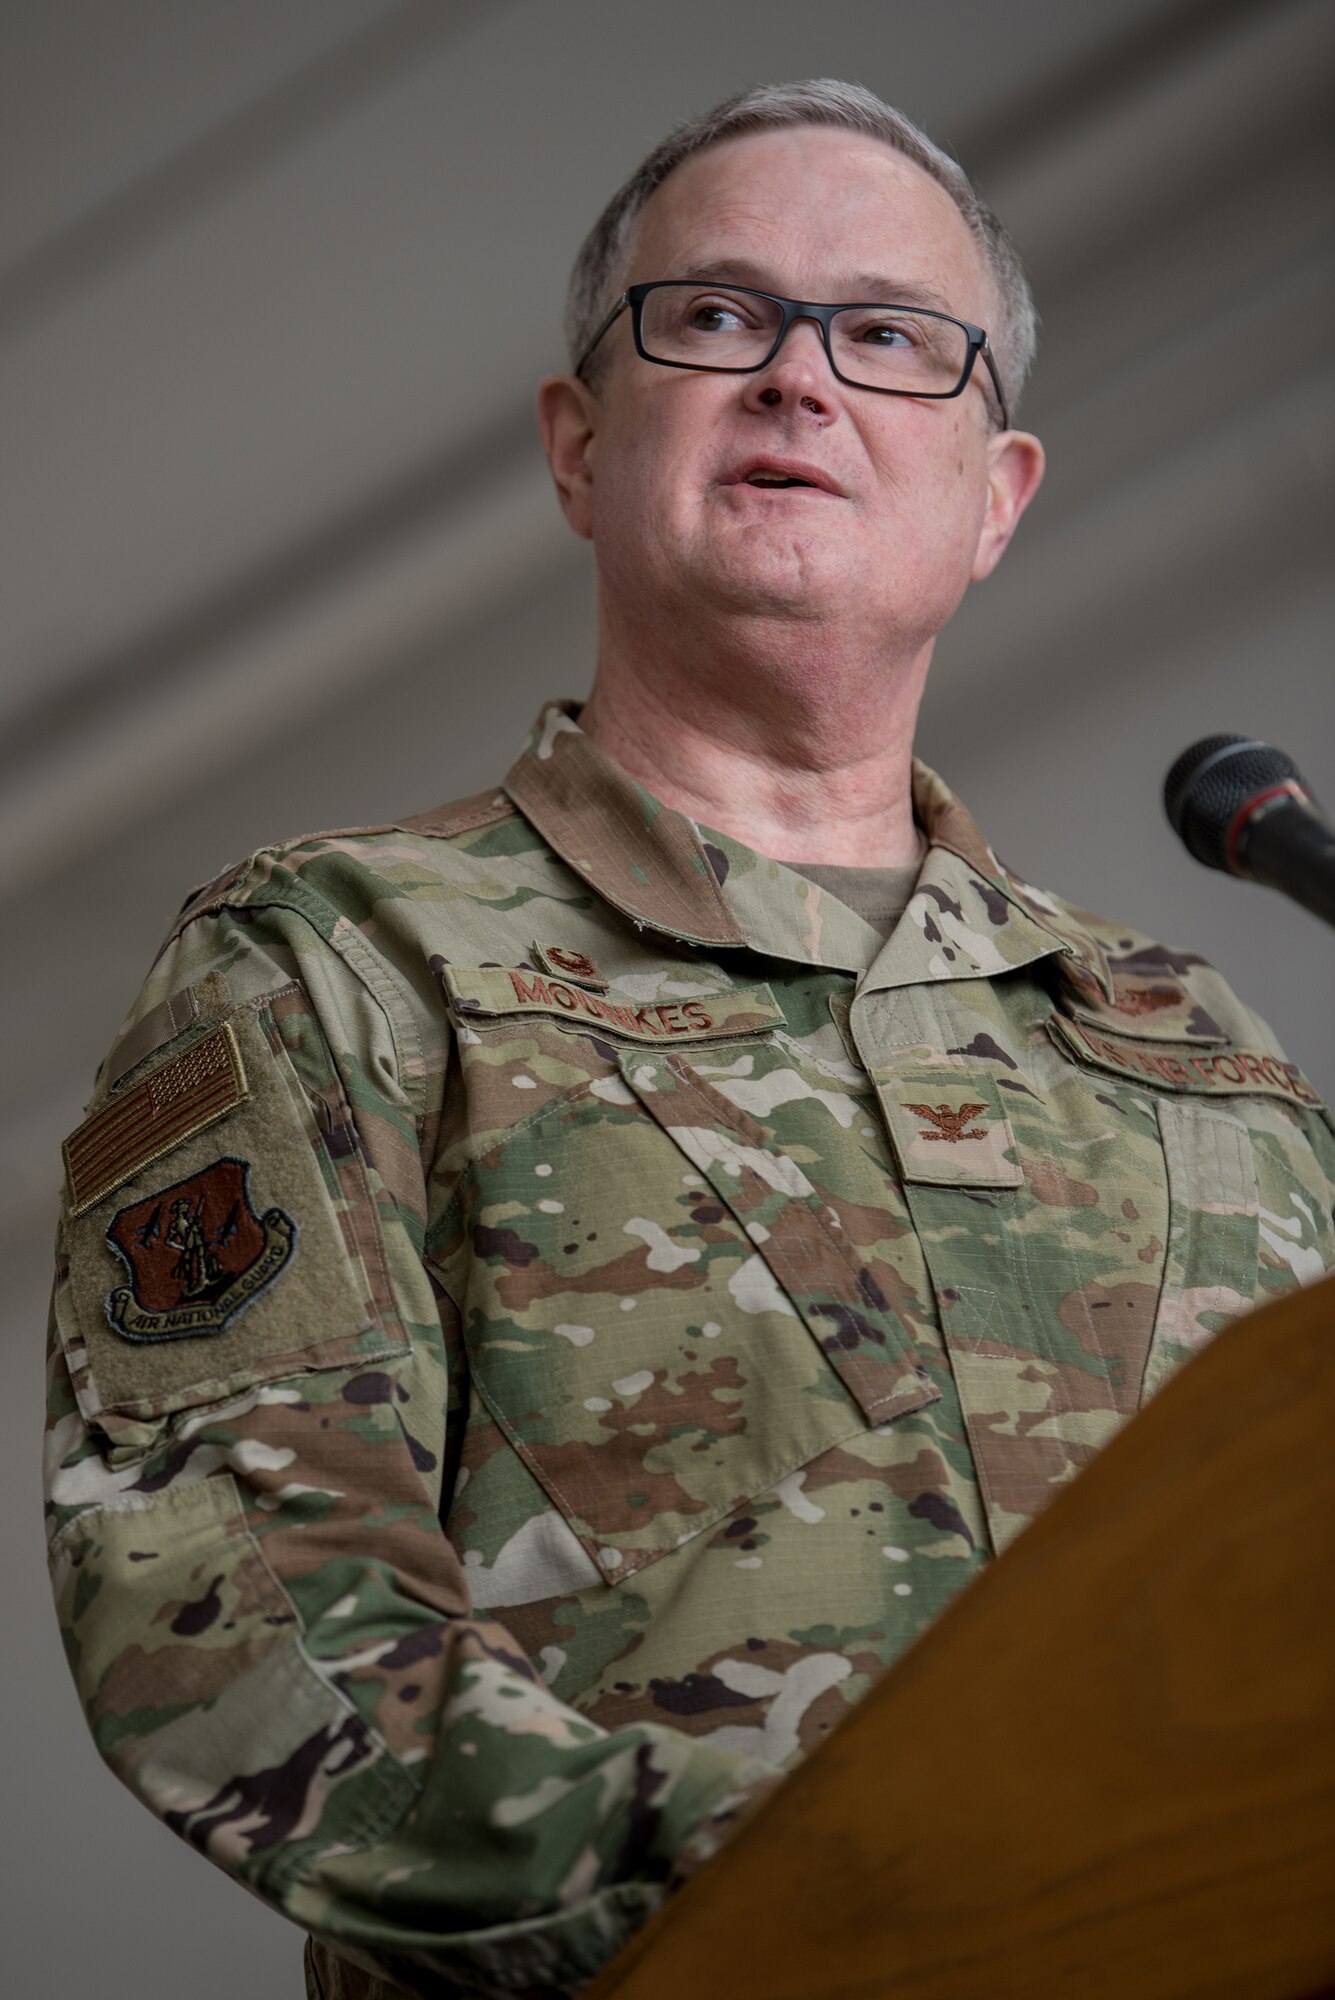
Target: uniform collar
[969, 917]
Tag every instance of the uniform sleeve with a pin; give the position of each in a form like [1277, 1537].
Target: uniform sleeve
[270, 1633]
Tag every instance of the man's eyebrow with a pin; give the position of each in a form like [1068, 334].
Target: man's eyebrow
[862, 288]
[899, 291]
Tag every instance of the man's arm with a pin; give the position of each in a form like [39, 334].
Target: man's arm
[271, 1635]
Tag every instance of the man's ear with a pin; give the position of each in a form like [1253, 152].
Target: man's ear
[567, 417]
[1015, 463]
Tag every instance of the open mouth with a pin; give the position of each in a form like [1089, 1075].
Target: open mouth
[775, 475]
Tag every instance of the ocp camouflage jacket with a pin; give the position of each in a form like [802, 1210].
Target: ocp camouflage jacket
[555, 1176]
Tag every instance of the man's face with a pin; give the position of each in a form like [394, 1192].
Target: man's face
[660, 470]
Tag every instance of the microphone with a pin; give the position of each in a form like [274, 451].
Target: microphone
[1243, 806]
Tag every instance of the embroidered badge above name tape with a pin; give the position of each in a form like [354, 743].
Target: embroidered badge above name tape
[179, 1098]
[1150, 1002]
[564, 963]
[197, 1254]
[1211, 1072]
[489, 993]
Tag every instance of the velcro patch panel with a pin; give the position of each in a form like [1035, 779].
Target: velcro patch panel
[1211, 1072]
[490, 992]
[182, 1096]
[949, 1127]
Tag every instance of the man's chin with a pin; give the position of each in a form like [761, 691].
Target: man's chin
[802, 583]
[792, 599]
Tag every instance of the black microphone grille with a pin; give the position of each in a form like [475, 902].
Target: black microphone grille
[1209, 783]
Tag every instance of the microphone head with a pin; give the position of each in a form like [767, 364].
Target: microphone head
[1209, 784]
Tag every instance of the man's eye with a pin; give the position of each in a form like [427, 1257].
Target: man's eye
[713, 318]
[887, 333]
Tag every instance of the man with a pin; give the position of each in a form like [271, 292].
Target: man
[663, 1224]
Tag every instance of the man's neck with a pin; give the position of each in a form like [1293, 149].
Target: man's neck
[805, 758]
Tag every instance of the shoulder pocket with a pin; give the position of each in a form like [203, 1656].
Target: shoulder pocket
[220, 1228]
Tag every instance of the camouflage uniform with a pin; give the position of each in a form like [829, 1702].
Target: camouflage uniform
[728, 1281]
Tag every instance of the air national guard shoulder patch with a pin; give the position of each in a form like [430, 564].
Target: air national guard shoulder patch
[197, 1255]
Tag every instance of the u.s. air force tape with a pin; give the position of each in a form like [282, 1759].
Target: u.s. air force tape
[1184, 1066]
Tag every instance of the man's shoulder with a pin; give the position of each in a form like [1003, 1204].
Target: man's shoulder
[1141, 985]
[311, 864]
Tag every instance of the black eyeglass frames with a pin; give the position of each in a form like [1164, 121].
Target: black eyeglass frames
[894, 350]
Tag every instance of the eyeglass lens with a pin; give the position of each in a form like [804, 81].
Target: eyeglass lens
[885, 347]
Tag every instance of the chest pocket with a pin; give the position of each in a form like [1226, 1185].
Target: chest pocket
[659, 1312]
[1040, 1198]
[1093, 1210]
[1210, 1269]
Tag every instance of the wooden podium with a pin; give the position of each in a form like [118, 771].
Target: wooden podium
[1107, 1771]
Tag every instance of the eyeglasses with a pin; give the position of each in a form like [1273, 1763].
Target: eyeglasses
[731, 330]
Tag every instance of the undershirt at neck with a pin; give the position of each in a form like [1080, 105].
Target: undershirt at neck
[878, 895]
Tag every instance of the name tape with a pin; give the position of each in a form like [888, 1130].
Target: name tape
[492, 992]
[1213, 1072]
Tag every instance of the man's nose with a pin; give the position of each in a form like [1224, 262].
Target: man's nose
[798, 375]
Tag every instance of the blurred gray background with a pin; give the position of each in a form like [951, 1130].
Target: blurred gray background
[276, 280]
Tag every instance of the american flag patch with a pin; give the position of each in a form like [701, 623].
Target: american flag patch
[171, 1104]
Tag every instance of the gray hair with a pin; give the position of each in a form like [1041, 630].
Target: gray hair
[598, 276]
